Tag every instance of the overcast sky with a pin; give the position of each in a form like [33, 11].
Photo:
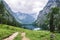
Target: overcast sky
[27, 6]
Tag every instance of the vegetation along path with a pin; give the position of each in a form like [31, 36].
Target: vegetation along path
[23, 35]
[12, 36]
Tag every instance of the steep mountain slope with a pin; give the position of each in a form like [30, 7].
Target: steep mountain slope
[46, 9]
[5, 14]
[24, 18]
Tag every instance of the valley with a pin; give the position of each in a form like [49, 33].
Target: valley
[26, 23]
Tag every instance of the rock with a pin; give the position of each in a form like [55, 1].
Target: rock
[42, 14]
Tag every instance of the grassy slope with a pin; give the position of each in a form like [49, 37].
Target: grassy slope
[6, 30]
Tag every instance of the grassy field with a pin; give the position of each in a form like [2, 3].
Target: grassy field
[6, 30]
[57, 36]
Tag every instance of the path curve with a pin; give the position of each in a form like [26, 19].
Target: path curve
[12, 36]
[23, 35]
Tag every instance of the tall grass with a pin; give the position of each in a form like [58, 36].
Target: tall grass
[6, 30]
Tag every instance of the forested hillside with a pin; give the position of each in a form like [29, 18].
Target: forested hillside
[6, 17]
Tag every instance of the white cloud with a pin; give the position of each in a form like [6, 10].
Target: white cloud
[27, 6]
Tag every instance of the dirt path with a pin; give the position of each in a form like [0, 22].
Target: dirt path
[23, 35]
[12, 36]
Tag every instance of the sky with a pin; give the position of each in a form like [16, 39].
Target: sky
[27, 6]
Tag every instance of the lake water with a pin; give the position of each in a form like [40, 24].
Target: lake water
[31, 27]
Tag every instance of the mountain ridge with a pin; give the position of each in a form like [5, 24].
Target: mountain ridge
[24, 18]
[41, 17]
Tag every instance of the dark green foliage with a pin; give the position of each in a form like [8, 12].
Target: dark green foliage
[1, 11]
[1, 8]
[54, 12]
[6, 17]
[53, 19]
[44, 27]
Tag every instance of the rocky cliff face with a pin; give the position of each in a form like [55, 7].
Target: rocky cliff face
[6, 16]
[46, 9]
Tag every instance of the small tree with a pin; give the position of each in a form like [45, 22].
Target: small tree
[53, 12]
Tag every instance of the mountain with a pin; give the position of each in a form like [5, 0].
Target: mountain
[16, 18]
[46, 9]
[6, 16]
[24, 18]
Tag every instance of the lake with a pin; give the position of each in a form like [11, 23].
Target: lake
[30, 26]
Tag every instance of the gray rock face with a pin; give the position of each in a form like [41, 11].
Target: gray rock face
[46, 9]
